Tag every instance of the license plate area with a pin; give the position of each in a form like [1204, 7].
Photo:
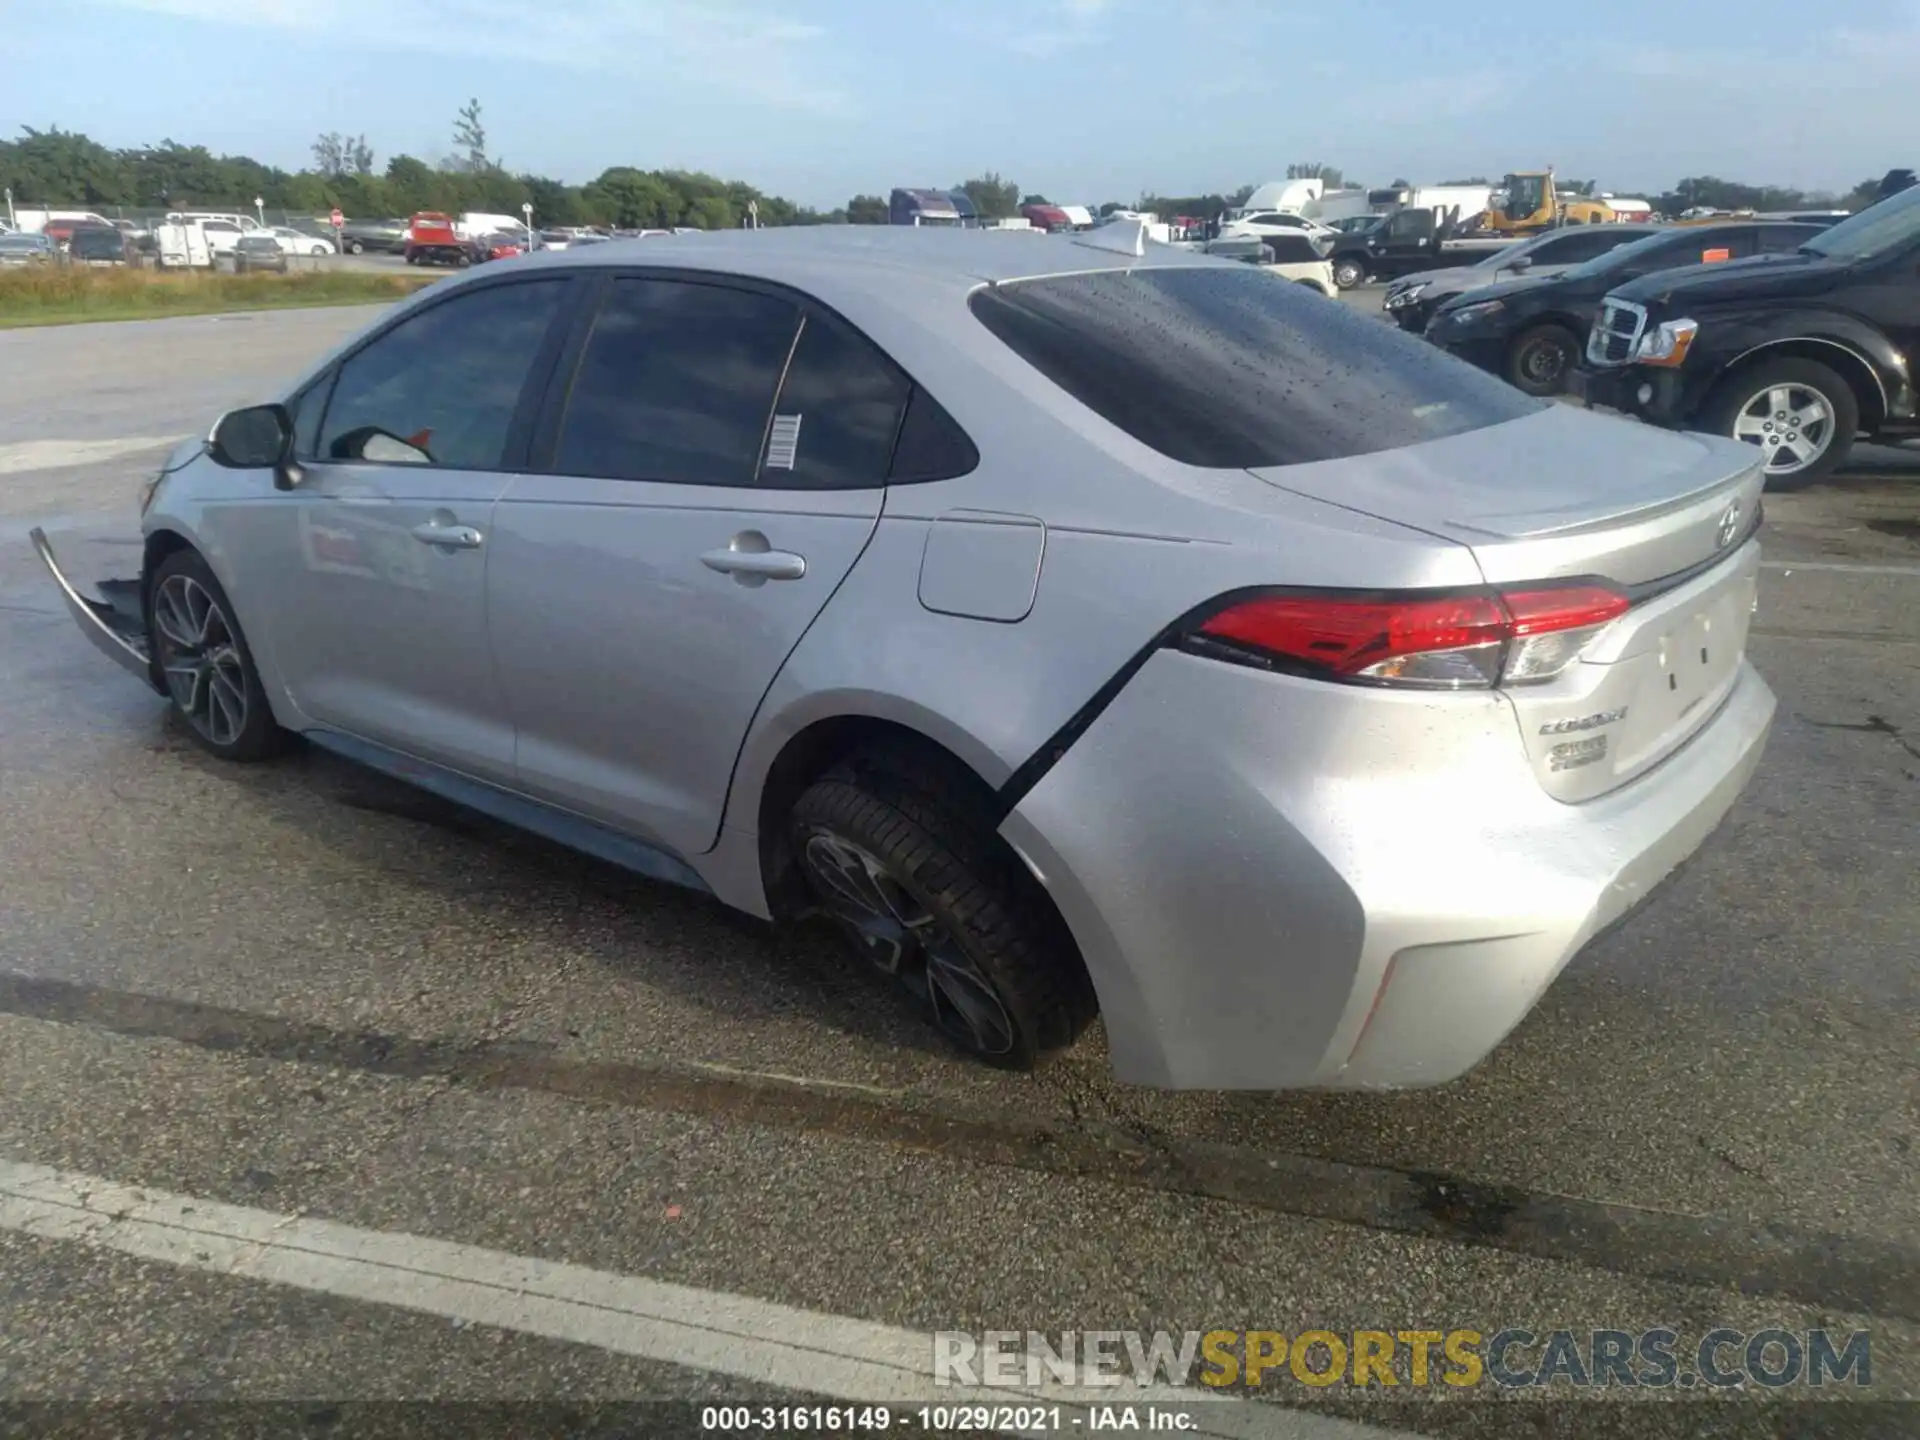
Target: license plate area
[1644, 688]
[1680, 680]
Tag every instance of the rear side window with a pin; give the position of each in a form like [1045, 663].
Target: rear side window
[677, 384]
[1220, 366]
[442, 386]
[839, 413]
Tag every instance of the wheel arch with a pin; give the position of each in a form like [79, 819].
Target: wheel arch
[169, 533]
[824, 741]
[1869, 391]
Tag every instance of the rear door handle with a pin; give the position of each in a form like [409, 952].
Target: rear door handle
[749, 559]
[454, 537]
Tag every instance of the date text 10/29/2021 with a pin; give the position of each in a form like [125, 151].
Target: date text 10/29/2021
[942, 1419]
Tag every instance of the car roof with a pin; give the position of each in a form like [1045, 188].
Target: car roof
[823, 259]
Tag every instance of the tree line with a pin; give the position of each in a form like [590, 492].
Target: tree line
[66, 168]
[62, 167]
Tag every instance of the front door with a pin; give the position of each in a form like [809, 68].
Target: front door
[715, 468]
[374, 568]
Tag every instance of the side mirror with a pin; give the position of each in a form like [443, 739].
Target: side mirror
[259, 437]
[1520, 264]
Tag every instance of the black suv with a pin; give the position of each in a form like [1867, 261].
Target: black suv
[1530, 331]
[1798, 355]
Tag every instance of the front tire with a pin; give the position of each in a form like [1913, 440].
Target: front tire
[354, 247]
[1802, 415]
[204, 662]
[1348, 272]
[934, 901]
[1540, 358]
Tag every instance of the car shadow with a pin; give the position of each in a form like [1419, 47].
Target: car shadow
[685, 943]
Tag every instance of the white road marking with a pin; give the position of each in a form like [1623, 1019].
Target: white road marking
[805, 1082]
[1840, 567]
[804, 1351]
[28, 455]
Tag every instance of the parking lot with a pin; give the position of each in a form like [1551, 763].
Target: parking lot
[303, 989]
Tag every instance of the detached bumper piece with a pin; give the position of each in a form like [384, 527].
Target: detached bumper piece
[113, 623]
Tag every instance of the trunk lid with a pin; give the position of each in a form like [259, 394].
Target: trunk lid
[1559, 493]
[1669, 518]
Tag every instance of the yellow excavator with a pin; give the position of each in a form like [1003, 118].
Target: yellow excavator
[1532, 204]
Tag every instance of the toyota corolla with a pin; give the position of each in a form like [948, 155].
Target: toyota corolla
[1086, 626]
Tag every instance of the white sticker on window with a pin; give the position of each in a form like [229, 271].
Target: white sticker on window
[783, 442]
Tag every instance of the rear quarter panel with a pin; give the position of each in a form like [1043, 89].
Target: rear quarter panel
[1132, 543]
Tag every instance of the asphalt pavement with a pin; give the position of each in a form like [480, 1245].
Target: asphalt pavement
[306, 1073]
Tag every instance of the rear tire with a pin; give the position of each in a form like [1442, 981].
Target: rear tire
[354, 247]
[1806, 438]
[205, 665]
[1539, 359]
[932, 899]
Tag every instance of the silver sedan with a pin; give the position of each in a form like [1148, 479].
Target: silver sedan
[1083, 625]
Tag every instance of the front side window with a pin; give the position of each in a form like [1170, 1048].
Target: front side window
[1220, 366]
[677, 384]
[441, 387]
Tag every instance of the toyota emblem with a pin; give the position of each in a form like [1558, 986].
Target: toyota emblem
[1729, 527]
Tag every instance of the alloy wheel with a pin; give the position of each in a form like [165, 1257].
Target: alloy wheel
[1791, 423]
[903, 939]
[200, 657]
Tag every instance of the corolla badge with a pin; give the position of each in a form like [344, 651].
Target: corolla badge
[1729, 527]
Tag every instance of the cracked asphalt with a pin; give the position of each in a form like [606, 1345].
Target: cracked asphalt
[304, 988]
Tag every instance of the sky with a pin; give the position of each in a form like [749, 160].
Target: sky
[1080, 100]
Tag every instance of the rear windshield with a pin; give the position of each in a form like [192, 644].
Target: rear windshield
[105, 242]
[1227, 366]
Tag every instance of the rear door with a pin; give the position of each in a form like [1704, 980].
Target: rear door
[713, 463]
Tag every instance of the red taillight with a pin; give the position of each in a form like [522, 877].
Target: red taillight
[1453, 641]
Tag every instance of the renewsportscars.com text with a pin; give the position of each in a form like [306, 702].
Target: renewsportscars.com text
[1514, 1358]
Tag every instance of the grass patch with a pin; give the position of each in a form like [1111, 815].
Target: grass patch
[71, 294]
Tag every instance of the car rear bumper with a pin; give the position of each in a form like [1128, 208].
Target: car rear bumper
[1279, 883]
[114, 632]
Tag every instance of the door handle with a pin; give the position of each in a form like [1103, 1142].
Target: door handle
[453, 537]
[751, 561]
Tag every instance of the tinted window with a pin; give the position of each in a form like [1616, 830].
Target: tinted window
[1581, 245]
[307, 408]
[1692, 246]
[101, 244]
[1880, 229]
[1291, 249]
[1220, 366]
[443, 383]
[839, 412]
[932, 444]
[676, 384]
[1785, 239]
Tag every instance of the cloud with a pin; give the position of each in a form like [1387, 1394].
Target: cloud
[1074, 24]
[750, 53]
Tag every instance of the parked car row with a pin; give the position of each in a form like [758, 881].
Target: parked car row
[1795, 337]
[94, 245]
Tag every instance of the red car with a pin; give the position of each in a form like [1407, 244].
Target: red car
[432, 240]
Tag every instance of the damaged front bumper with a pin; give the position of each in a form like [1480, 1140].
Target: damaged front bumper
[113, 623]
